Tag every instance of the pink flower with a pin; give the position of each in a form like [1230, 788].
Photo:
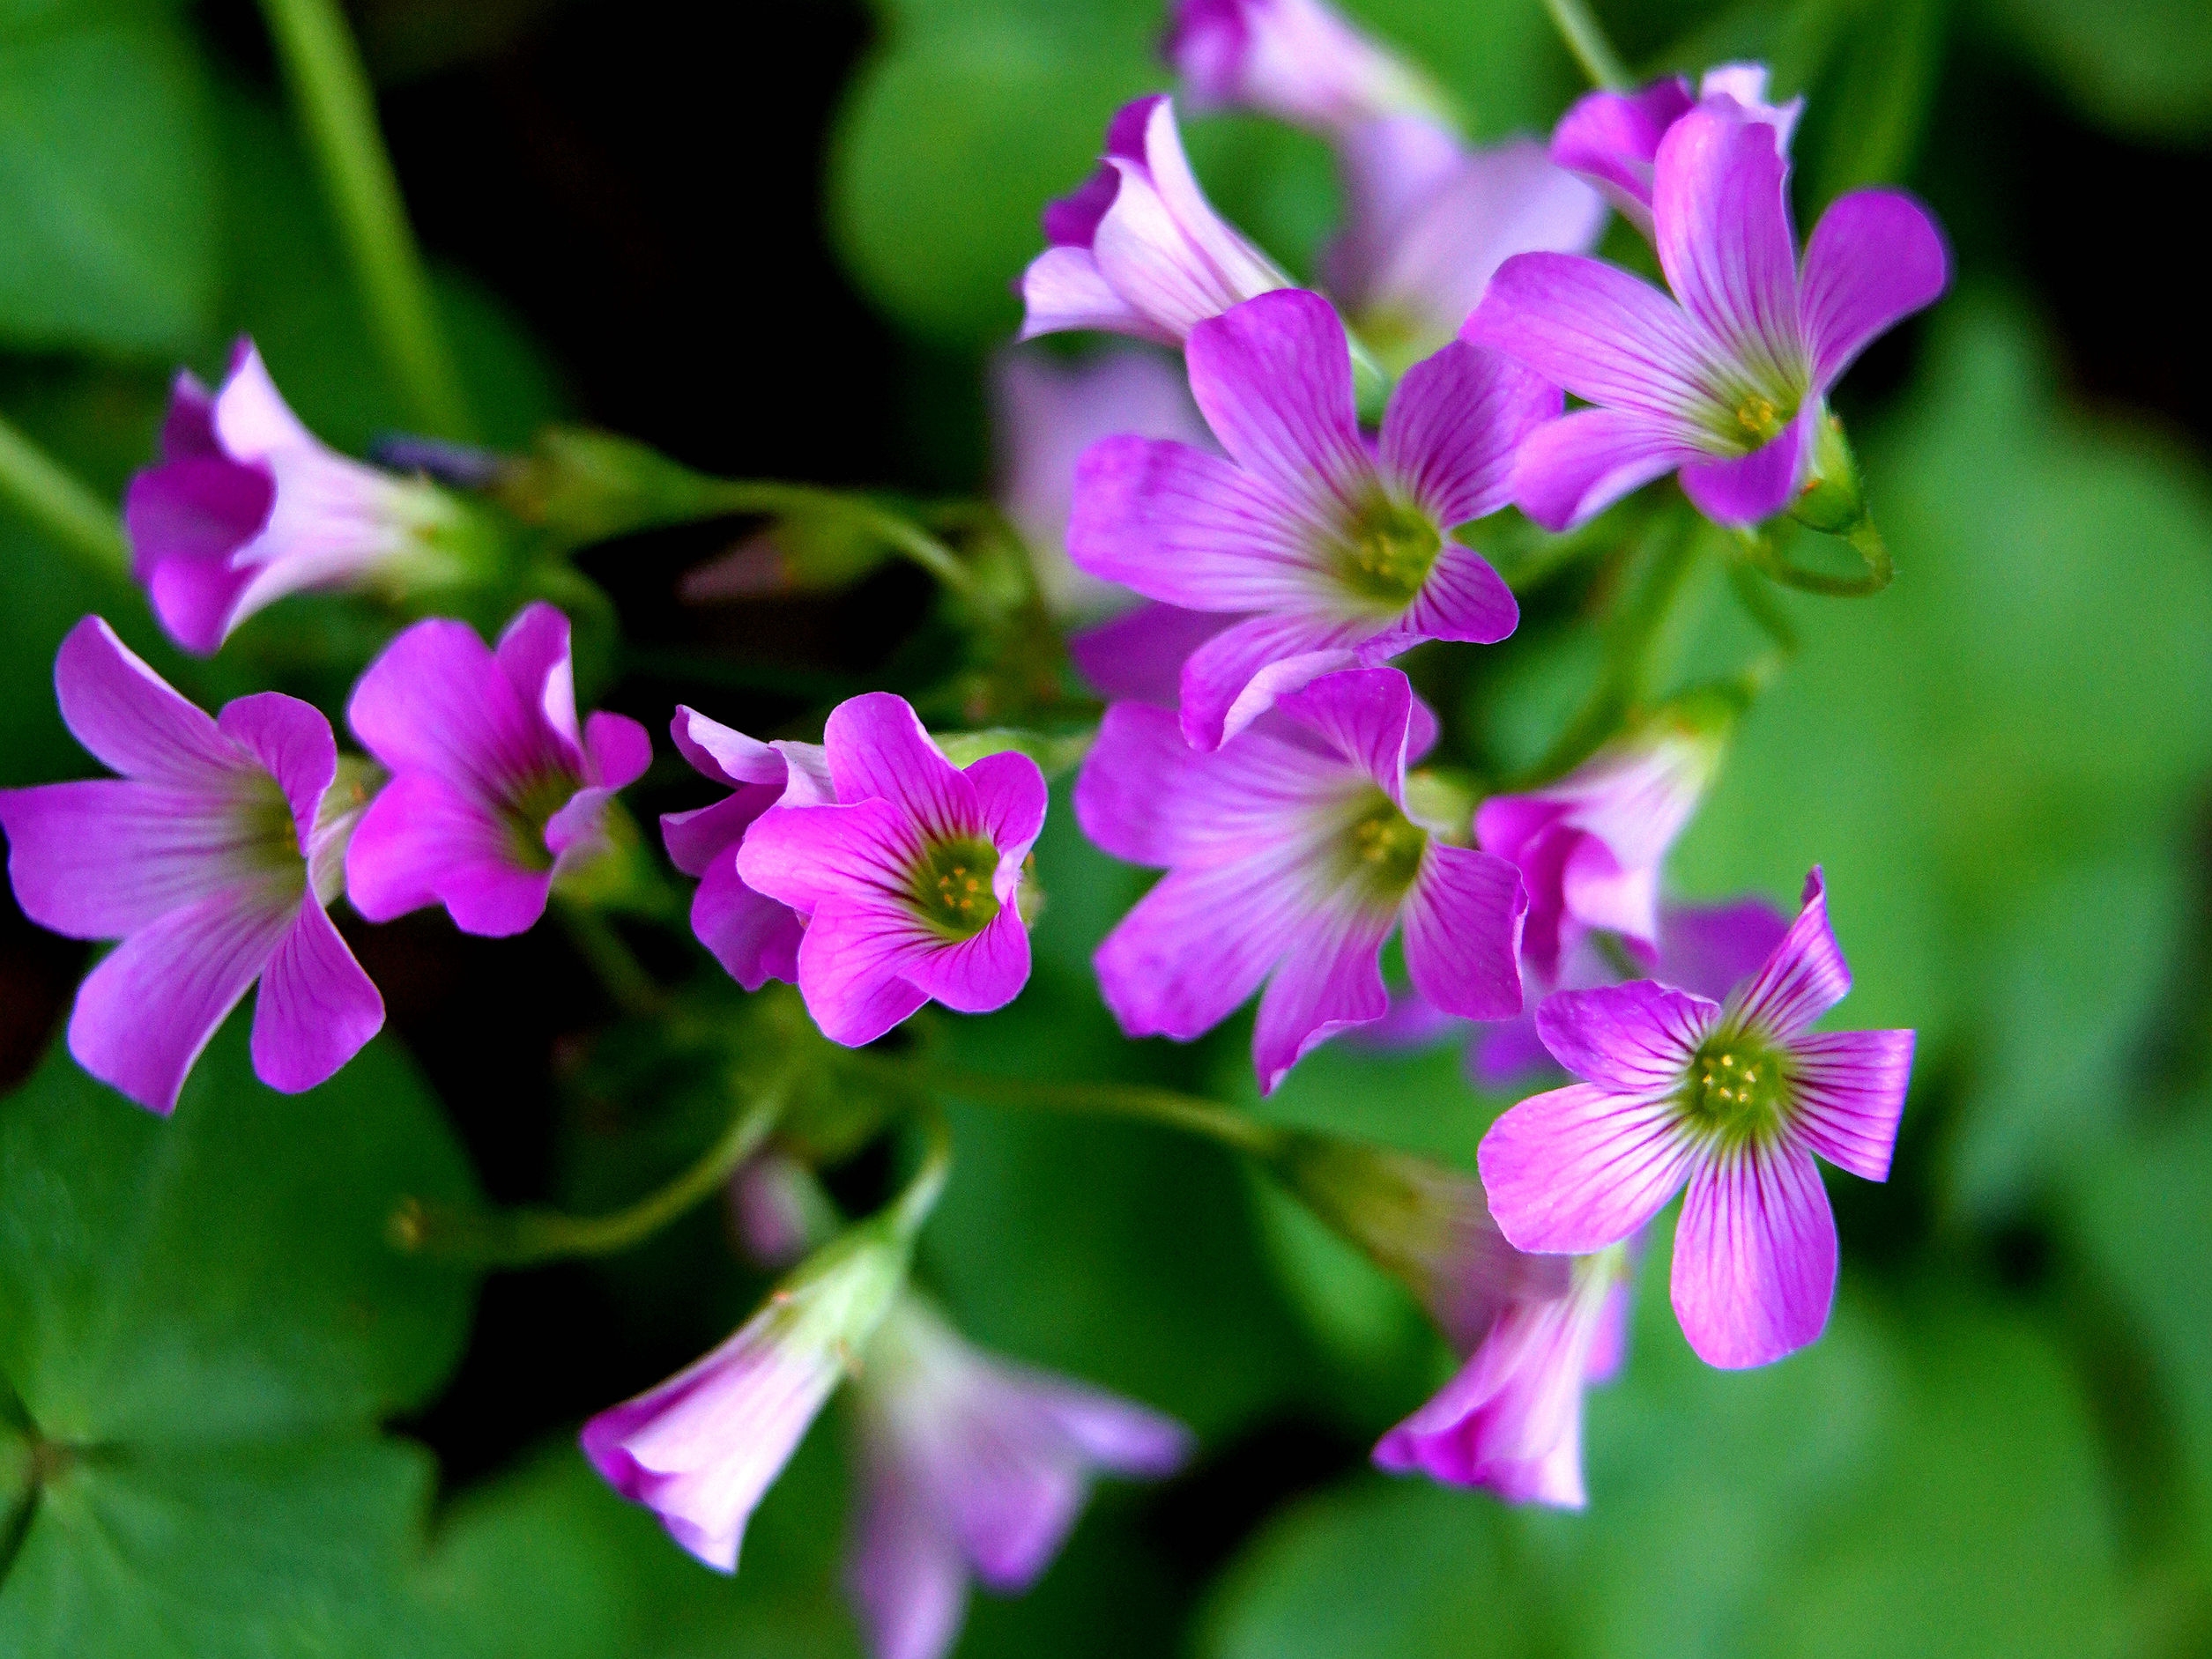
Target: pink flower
[1338, 555]
[1590, 846]
[1512, 1420]
[1291, 861]
[907, 883]
[1725, 381]
[755, 938]
[1139, 251]
[496, 791]
[246, 506]
[970, 1464]
[702, 1448]
[211, 859]
[1732, 1098]
[1299, 61]
[1428, 221]
[1613, 138]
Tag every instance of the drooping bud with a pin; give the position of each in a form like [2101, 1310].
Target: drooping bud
[1830, 500]
[1426, 1225]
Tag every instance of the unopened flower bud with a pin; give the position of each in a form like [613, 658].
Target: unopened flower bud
[1830, 499]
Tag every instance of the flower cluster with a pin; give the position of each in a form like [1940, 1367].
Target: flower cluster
[1323, 516]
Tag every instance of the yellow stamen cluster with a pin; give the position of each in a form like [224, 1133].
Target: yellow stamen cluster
[1736, 1084]
[951, 887]
[1381, 849]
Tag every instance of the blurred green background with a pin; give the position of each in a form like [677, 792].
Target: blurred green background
[778, 241]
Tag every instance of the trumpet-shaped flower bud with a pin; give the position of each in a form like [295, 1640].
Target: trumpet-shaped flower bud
[701, 1449]
[1139, 251]
[1429, 221]
[907, 882]
[1613, 138]
[754, 937]
[1725, 383]
[972, 1466]
[211, 859]
[496, 791]
[1512, 1420]
[1344, 551]
[1427, 1225]
[1044, 414]
[1291, 860]
[1732, 1098]
[1590, 846]
[1299, 61]
[246, 506]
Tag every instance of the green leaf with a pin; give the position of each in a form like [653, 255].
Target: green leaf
[109, 183]
[225, 1273]
[1966, 751]
[2141, 66]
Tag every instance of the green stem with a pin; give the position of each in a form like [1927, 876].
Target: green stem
[911, 1208]
[634, 990]
[331, 89]
[1189, 1112]
[894, 529]
[523, 1238]
[1588, 41]
[59, 503]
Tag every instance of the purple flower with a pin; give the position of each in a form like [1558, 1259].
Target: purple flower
[1341, 549]
[970, 1464]
[1291, 859]
[1138, 656]
[1707, 950]
[496, 791]
[1428, 222]
[211, 859]
[1613, 138]
[1512, 1420]
[1299, 61]
[246, 506]
[754, 937]
[1590, 846]
[908, 883]
[702, 1448]
[1044, 414]
[1727, 386]
[1138, 250]
[1731, 1097]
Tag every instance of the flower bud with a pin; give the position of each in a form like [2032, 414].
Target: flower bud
[1830, 499]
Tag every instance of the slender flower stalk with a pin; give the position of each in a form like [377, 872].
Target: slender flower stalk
[59, 503]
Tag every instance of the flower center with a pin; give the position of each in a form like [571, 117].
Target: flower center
[530, 808]
[1381, 849]
[1737, 1087]
[951, 887]
[1386, 552]
[268, 835]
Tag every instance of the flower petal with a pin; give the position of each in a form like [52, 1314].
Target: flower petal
[1063, 288]
[1849, 1089]
[723, 753]
[754, 937]
[1330, 978]
[1138, 656]
[1613, 138]
[1754, 1256]
[853, 964]
[130, 717]
[422, 841]
[1805, 977]
[185, 519]
[1721, 211]
[1463, 598]
[1875, 258]
[1582, 1167]
[1010, 797]
[1463, 932]
[1572, 469]
[616, 750]
[292, 742]
[1638, 1037]
[145, 1012]
[102, 859]
[904, 1575]
[1236, 676]
[1709, 950]
[533, 654]
[1273, 378]
[1755, 487]
[1608, 337]
[315, 1007]
[978, 975]
[696, 838]
[807, 855]
[1454, 425]
[1199, 943]
[878, 751]
[1193, 529]
[1363, 715]
[438, 700]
